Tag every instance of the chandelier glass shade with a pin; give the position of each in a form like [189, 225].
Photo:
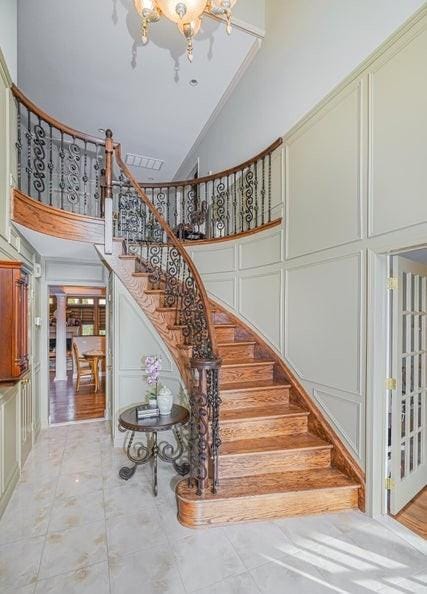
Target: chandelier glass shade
[187, 15]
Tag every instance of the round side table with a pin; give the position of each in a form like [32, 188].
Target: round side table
[153, 450]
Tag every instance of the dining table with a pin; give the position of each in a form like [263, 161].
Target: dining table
[94, 357]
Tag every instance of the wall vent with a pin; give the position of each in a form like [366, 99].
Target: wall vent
[143, 162]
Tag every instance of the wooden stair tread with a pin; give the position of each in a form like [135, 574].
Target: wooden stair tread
[246, 363]
[154, 291]
[237, 415]
[225, 326]
[253, 386]
[285, 482]
[236, 342]
[266, 445]
[140, 274]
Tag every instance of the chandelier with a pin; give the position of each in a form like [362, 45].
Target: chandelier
[186, 14]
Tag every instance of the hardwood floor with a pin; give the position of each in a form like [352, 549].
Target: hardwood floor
[414, 514]
[65, 404]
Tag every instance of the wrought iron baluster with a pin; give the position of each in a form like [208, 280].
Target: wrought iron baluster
[227, 210]
[263, 192]
[85, 179]
[50, 165]
[19, 146]
[269, 187]
[242, 203]
[256, 192]
[29, 148]
[39, 159]
[61, 159]
[234, 203]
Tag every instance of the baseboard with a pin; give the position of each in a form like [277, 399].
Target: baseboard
[4, 499]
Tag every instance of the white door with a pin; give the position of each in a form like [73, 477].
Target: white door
[409, 400]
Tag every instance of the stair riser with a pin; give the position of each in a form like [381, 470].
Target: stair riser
[264, 507]
[142, 281]
[235, 375]
[224, 334]
[268, 462]
[220, 318]
[254, 398]
[263, 428]
[231, 353]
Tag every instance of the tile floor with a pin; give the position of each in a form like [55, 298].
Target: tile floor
[74, 527]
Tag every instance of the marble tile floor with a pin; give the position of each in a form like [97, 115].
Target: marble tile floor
[74, 527]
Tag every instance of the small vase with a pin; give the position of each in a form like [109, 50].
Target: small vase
[152, 402]
[165, 400]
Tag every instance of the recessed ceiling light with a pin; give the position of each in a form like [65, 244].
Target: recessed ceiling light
[194, 82]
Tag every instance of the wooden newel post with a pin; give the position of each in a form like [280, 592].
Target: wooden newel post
[204, 438]
[108, 193]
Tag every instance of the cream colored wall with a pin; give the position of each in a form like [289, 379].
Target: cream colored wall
[354, 185]
[19, 403]
[133, 338]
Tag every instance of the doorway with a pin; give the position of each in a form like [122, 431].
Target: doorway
[76, 353]
[407, 391]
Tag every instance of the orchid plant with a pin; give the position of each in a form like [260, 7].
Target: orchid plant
[153, 366]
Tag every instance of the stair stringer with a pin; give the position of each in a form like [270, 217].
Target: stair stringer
[341, 458]
[148, 303]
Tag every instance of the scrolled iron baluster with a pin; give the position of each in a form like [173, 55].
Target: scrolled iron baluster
[50, 165]
[28, 136]
[85, 179]
[73, 174]
[256, 192]
[234, 203]
[61, 159]
[249, 194]
[19, 146]
[269, 187]
[39, 166]
[263, 192]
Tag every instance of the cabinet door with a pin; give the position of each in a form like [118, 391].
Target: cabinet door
[26, 419]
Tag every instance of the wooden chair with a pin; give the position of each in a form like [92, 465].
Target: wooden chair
[83, 367]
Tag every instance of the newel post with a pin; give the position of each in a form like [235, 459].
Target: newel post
[108, 193]
[204, 430]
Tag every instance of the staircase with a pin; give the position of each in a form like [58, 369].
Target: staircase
[259, 446]
[271, 461]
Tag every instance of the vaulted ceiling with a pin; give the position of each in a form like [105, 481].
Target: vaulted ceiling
[84, 63]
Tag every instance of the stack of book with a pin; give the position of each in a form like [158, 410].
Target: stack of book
[145, 412]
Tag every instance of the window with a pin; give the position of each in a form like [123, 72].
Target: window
[87, 301]
[101, 301]
[87, 330]
[102, 333]
[73, 301]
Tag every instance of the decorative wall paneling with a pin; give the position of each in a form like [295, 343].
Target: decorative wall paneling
[354, 181]
[134, 337]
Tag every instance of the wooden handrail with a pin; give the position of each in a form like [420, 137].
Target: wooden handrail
[52, 121]
[215, 176]
[175, 242]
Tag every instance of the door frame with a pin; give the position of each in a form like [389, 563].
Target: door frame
[378, 369]
[44, 338]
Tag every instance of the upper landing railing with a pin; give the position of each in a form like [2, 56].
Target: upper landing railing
[224, 204]
[64, 168]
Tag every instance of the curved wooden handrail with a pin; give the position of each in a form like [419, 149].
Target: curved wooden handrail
[52, 121]
[215, 176]
[175, 242]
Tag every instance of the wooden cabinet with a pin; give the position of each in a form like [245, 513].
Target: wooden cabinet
[14, 360]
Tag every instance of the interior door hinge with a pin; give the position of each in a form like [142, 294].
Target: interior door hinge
[390, 383]
[389, 483]
[392, 283]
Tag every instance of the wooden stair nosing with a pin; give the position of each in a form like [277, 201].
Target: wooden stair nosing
[268, 484]
[253, 414]
[247, 363]
[254, 386]
[264, 446]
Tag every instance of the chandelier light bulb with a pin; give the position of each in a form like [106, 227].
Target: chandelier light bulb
[186, 14]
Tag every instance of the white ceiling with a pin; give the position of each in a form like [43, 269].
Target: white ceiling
[417, 255]
[83, 62]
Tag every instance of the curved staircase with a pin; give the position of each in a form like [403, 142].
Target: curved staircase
[259, 446]
[271, 463]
